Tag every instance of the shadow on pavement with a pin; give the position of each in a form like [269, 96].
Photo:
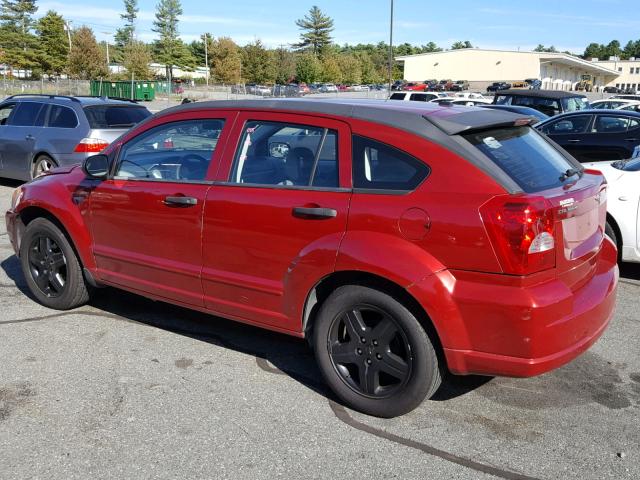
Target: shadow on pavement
[274, 352]
[630, 271]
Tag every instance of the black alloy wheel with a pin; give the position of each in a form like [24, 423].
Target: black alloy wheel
[48, 266]
[369, 351]
[374, 353]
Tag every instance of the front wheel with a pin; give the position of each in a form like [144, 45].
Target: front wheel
[51, 267]
[41, 165]
[373, 352]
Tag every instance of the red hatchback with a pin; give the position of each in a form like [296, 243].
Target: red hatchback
[403, 240]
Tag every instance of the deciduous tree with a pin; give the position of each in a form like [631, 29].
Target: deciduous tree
[136, 60]
[85, 59]
[226, 62]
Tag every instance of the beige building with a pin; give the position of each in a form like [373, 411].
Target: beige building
[628, 72]
[557, 71]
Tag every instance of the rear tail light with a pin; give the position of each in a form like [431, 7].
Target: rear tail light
[522, 232]
[91, 145]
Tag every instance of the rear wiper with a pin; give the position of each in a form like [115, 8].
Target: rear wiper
[569, 173]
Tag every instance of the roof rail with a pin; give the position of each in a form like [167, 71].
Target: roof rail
[106, 97]
[67, 97]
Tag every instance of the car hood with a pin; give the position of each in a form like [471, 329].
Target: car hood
[62, 170]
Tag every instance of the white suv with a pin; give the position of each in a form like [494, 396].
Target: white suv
[417, 96]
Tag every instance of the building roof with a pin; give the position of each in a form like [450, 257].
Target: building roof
[558, 57]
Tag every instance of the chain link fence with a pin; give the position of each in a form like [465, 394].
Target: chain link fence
[47, 87]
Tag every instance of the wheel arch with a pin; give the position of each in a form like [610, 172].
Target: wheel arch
[31, 212]
[322, 289]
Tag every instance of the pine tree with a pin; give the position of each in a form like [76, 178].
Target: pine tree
[316, 31]
[169, 48]
[125, 34]
[85, 59]
[19, 44]
[53, 43]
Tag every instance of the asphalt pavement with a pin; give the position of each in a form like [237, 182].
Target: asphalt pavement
[130, 388]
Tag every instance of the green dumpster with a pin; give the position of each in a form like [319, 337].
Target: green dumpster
[144, 90]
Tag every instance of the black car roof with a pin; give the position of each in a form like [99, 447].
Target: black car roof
[540, 93]
[409, 116]
[597, 111]
[83, 100]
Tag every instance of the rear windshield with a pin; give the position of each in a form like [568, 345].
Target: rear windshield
[115, 116]
[524, 155]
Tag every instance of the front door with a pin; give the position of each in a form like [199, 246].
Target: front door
[18, 136]
[274, 220]
[146, 220]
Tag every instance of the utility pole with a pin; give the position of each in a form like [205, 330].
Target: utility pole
[68, 28]
[206, 57]
[391, 48]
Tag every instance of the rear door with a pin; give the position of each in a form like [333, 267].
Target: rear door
[146, 220]
[275, 218]
[613, 137]
[19, 135]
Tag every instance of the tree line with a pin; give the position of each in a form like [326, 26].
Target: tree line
[51, 46]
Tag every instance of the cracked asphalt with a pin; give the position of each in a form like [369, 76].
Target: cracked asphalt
[130, 388]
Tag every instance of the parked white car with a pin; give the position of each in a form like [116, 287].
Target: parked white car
[617, 104]
[623, 205]
[417, 96]
[328, 88]
[472, 95]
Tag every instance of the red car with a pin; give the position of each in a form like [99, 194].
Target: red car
[402, 240]
[415, 87]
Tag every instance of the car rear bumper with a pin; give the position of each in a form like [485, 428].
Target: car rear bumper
[498, 325]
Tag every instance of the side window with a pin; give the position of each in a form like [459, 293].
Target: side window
[26, 114]
[397, 96]
[177, 151]
[633, 123]
[5, 111]
[62, 117]
[377, 166]
[607, 124]
[418, 97]
[273, 153]
[571, 125]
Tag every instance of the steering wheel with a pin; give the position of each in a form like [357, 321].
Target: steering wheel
[193, 167]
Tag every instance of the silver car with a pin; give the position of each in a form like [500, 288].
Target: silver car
[39, 132]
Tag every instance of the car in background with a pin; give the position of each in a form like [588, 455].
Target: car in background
[328, 88]
[459, 86]
[623, 205]
[41, 132]
[549, 102]
[497, 86]
[403, 243]
[611, 90]
[443, 85]
[627, 97]
[417, 96]
[414, 87]
[359, 88]
[398, 84]
[632, 107]
[469, 102]
[613, 103]
[260, 90]
[595, 135]
[531, 112]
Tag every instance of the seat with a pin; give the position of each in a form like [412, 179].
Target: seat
[298, 165]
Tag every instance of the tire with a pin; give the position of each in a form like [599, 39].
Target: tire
[42, 164]
[382, 373]
[611, 233]
[51, 267]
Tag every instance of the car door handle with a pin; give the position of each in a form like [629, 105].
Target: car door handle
[573, 140]
[29, 137]
[181, 201]
[311, 213]
[631, 139]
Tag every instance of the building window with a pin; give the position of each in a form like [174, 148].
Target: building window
[617, 85]
[631, 70]
[637, 69]
[619, 69]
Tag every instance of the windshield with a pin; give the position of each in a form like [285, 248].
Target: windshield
[575, 103]
[115, 116]
[523, 154]
[632, 165]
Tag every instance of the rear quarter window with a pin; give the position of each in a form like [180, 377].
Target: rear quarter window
[115, 116]
[523, 154]
[62, 117]
[378, 166]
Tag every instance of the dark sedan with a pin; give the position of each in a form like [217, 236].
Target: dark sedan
[594, 135]
[497, 86]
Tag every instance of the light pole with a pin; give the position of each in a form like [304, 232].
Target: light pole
[206, 58]
[391, 48]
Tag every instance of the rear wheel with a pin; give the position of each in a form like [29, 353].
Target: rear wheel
[41, 165]
[611, 232]
[373, 352]
[51, 267]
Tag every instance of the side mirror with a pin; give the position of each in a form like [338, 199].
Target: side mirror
[96, 166]
[279, 149]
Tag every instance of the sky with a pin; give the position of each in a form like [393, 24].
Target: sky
[568, 25]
